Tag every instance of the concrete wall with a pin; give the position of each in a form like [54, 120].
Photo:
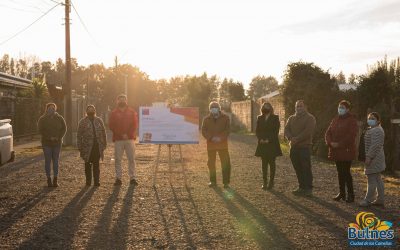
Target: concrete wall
[244, 115]
[279, 109]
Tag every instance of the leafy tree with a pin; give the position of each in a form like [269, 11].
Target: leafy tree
[262, 85]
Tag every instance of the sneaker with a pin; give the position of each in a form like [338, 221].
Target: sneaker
[298, 191]
[212, 184]
[307, 193]
[226, 186]
[364, 203]
[134, 182]
[378, 203]
[97, 184]
[117, 182]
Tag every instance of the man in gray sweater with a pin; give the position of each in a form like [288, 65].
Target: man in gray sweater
[299, 131]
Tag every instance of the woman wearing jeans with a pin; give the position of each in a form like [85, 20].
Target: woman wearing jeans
[52, 128]
[341, 140]
[374, 162]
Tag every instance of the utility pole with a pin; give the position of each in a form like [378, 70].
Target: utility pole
[67, 87]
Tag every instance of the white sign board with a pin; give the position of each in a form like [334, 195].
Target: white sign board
[163, 125]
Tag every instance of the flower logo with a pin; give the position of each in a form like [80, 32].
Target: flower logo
[369, 220]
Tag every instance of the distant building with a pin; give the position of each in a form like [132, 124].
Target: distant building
[347, 86]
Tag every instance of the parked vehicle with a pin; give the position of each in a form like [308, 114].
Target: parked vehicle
[7, 153]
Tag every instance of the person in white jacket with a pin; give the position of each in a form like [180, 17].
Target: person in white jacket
[374, 161]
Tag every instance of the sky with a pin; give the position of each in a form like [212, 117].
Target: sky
[236, 39]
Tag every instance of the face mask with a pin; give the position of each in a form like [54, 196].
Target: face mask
[51, 111]
[342, 111]
[91, 114]
[214, 111]
[371, 122]
[122, 104]
[265, 110]
[300, 110]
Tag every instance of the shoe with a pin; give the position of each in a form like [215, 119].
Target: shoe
[350, 198]
[364, 203]
[97, 184]
[49, 184]
[212, 184]
[55, 183]
[339, 196]
[298, 191]
[264, 187]
[378, 203]
[134, 182]
[226, 186]
[270, 185]
[307, 193]
[117, 182]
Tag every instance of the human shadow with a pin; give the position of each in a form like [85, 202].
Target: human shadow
[170, 242]
[269, 237]
[58, 233]
[316, 218]
[101, 230]
[18, 212]
[119, 232]
[337, 210]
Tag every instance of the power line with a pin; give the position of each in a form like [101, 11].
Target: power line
[26, 5]
[19, 9]
[27, 27]
[83, 24]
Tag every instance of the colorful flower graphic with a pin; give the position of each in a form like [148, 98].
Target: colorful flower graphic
[369, 220]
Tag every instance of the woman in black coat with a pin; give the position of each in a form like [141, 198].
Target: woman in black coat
[268, 147]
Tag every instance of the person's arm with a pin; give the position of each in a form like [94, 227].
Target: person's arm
[103, 132]
[63, 129]
[111, 122]
[204, 129]
[258, 128]
[227, 129]
[40, 126]
[308, 131]
[377, 141]
[287, 131]
[79, 135]
[134, 126]
[328, 134]
[350, 136]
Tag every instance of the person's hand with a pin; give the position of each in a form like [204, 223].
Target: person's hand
[125, 136]
[293, 141]
[368, 161]
[334, 144]
[215, 139]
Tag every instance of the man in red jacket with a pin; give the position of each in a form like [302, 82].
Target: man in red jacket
[123, 123]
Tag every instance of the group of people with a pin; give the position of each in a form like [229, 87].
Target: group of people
[91, 141]
[340, 137]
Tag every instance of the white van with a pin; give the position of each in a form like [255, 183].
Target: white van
[7, 153]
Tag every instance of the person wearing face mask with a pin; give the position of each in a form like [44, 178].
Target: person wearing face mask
[91, 142]
[215, 129]
[123, 123]
[299, 132]
[268, 147]
[341, 140]
[374, 162]
[52, 128]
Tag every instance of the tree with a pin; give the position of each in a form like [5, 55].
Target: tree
[5, 64]
[262, 85]
[231, 91]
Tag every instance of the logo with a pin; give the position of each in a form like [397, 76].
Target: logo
[146, 112]
[369, 230]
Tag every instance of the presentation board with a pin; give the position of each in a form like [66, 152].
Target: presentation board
[164, 125]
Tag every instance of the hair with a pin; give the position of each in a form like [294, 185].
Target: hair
[376, 115]
[270, 106]
[214, 103]
[122, 95]
[345, 103]
[90, 106]
[302, 101]
[51, 104]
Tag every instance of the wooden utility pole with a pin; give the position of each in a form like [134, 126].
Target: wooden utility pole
[67, 87]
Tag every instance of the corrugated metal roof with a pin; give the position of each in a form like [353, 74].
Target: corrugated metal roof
[14, 81]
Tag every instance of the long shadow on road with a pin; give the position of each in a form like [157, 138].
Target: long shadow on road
[264, 232]
[18, 212]
[58, 233]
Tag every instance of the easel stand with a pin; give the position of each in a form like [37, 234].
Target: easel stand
[170, 164]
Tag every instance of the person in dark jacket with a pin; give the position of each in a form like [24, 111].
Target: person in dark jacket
[341, 140]
[268, 147]
[52, 129]
[215, 129]
[91, 141]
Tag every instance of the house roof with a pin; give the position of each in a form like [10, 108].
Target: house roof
[14, 81]
[270, 95]
[346, 86]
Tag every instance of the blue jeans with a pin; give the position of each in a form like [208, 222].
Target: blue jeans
[301, 160]
[51, 153]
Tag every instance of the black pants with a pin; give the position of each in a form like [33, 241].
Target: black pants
[265, 162]
[344, 177]
[93, 165]
[225, 164]
[301, 160]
